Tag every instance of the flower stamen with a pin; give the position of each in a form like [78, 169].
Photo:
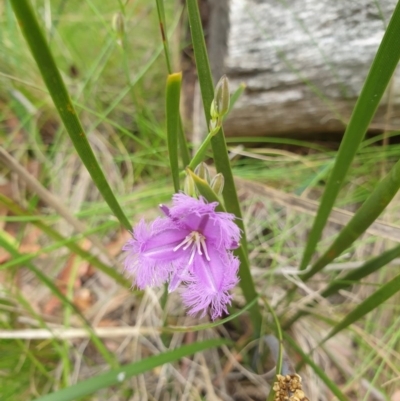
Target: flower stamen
[203, 243]
[197, 242]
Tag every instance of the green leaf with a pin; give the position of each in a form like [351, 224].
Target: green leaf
[221, 159]
[363, 218]
[185, 154]
[234, 98]
[173, 117]
[52, 78]
[279, 356]
[352, 277]
[116, 376]
[356, 275]
[164, 37]
[317, 370]
[374, 87]
[372, 302]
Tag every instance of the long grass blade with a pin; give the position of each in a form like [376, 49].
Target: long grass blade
[364, 217]
[184, 149]
[378, 78]
[173, 117]
[117, 376]
[352, 277]
[52, 78]
[164, 37]
[372, 302]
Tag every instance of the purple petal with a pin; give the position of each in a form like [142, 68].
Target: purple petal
[161, 245]
[150, 254]
[197, 215]
[211, 282]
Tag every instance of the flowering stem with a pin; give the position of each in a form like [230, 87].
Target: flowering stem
[220, 152]
[199, 156]
[52, 78]
[246, 280]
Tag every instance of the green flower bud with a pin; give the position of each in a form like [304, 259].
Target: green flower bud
[189, 187]
[213, 126]
[213, 111]
[202, 171]
[222, 96]
[217, 184]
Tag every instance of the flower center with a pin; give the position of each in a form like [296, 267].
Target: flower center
[197, 243]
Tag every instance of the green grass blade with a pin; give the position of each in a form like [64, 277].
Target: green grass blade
[117, 376]
[280, 350]
[246, 281]
[184, 149]
[172, 113]
[52, 78]
[372, 302]
[317, 370]
[364, 217]
[72, 246]
[374, 87]
[353, 277]
[356, 275]
[234, 98]
[164, 37]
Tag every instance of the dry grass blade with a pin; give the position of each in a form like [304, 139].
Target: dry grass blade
[47, 197]
[339, 216]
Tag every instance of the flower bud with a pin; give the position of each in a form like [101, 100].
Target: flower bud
[222, 97]
[213, 111]
[189, 187]
[217, 184]
[213, 125]
[202, 171]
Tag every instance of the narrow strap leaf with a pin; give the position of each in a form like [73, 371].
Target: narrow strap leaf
[378, 78]
[183, 145]
[172, 113]
[364, 217]
[372, 302]
[162, 23]
[117, 376]
[356, 275]
[353, 276]
[52, 78]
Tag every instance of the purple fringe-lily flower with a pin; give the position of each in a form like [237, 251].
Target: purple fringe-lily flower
[191, 248]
